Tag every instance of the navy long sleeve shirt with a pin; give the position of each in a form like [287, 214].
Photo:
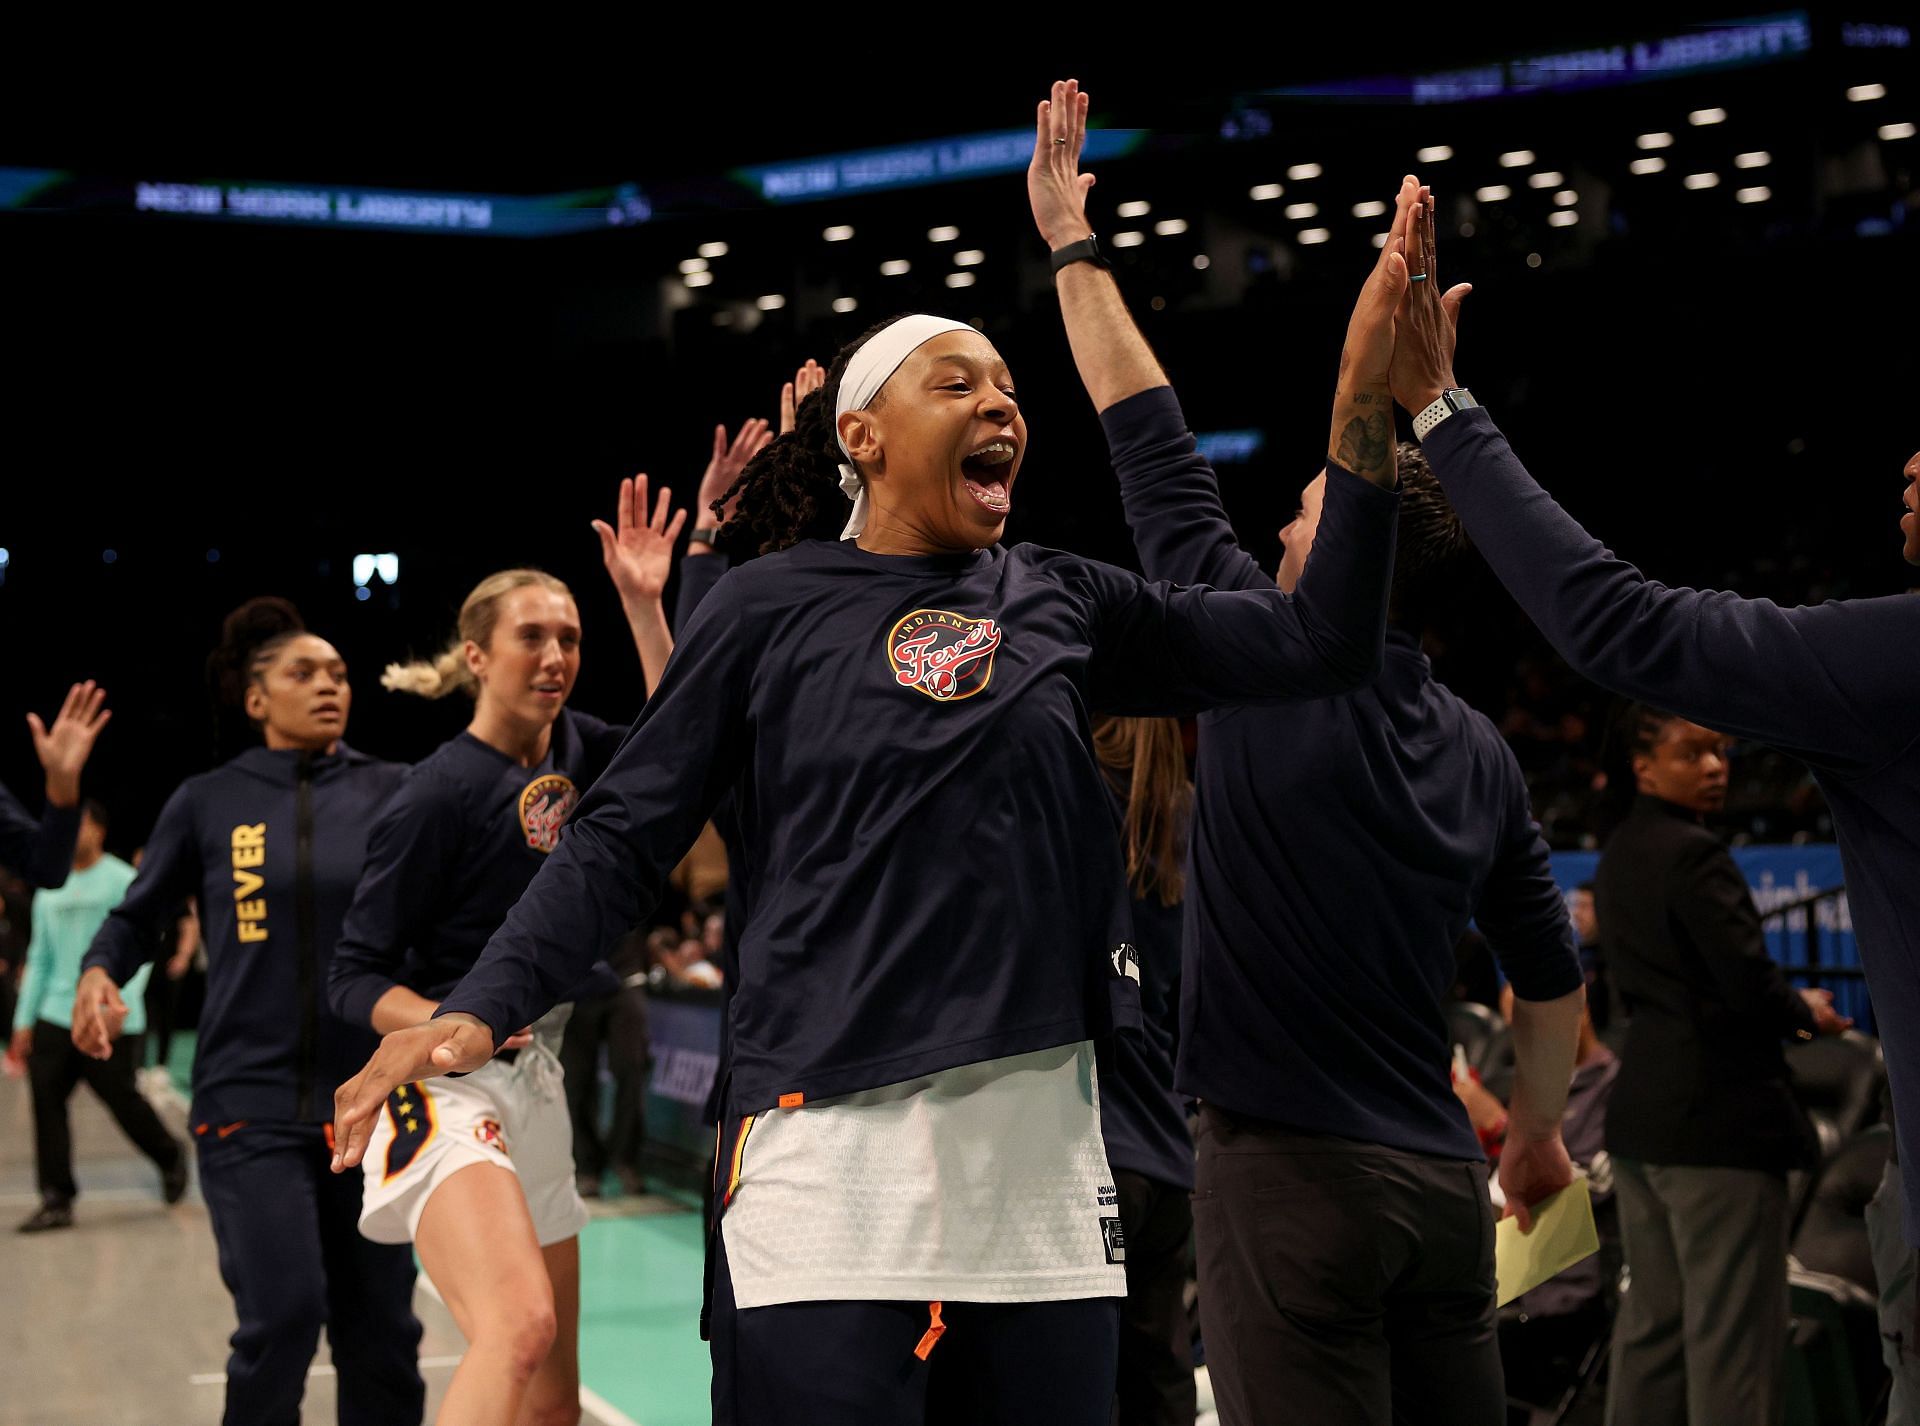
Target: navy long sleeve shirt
[271, 843]
[39, 848]
[1836, 685]
[1339, 849]
[449, 856]
[934, 875]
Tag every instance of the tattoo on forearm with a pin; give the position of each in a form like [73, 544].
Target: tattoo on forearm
[1365, 443]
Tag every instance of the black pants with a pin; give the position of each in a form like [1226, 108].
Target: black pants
[1156, 1344]
[855, 1363]
[1342, 1282]
[55, 1067]
[293, 1258]
[617, 1022]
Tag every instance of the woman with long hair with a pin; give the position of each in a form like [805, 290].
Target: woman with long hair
[919, 1215]
[478, 1174]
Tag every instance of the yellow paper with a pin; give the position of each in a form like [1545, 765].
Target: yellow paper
[1563, 1234]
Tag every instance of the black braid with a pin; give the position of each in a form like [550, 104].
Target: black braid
[1431, 534]
[791, 490]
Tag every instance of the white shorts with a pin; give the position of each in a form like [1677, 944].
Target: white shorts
[513, 1116]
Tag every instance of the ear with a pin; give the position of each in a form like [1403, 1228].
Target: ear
[1642, 765]
[476, 661]
[860, 430]
[254, 703]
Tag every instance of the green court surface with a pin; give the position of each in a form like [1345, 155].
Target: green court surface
[640, 1347]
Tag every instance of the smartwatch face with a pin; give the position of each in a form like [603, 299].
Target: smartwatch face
[1458, 400]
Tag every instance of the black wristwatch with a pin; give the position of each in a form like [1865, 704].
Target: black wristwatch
[1086, 250]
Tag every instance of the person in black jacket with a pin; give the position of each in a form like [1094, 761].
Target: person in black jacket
[1703, 1126]
[271, 845]
[935, 933]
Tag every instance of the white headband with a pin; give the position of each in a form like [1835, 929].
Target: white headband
[867, 371]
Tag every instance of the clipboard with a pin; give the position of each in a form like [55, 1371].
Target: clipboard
[1563, 1234]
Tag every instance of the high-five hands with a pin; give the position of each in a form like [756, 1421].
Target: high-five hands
[1423, 354]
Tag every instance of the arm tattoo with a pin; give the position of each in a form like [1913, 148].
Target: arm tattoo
[1365, 444]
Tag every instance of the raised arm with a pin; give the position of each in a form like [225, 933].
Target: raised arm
[42, 850]
[1171, 495]
[170, 872]
[638, 556]
[1834, 683]
[622, 842]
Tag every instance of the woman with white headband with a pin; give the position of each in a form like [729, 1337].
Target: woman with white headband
[917, 1215]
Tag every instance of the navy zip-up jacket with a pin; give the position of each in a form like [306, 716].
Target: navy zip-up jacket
[271, 843]
[1339, 850]
[450, 855]
[39, 848]
[1836, 685]
[933, 872]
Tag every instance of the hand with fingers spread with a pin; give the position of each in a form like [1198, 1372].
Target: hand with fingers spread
[64, 747]
[809, 379]
[1361, 437]
[1056, 187]
[723, 469]
[1423, 355]
[450, 1044]
[98, 1014]
[639, 554]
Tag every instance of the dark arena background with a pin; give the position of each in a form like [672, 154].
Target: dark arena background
[363, 371]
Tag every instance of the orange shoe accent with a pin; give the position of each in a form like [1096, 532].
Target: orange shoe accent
[226, 1129]
[792, 1101]
[331, 1146]
[936, 1329]
[200, 1130]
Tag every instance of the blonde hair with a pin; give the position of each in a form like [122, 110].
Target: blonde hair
[447, 670]
[1147, 758]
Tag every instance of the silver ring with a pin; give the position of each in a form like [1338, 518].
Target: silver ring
[1059, 141]
[1418, 277]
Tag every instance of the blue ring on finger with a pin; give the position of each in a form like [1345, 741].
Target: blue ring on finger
[1418, 277]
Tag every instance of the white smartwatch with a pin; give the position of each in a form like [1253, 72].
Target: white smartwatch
[1457, 398]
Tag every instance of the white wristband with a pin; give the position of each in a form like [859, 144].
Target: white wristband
[1441, 408]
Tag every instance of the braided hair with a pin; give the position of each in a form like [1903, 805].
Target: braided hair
[790, 491]
[1431, 534]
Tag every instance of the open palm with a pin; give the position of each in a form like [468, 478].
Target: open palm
[639, 553]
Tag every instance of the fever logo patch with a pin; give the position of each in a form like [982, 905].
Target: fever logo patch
[544, 805]
[487, 1131]
[946, 656]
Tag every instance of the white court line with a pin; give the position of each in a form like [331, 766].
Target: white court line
[591, 1400]
[427, 1364]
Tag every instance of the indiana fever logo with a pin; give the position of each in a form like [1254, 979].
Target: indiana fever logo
[946, 656]
[544, 805]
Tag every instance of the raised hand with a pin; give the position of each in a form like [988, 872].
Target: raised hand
[809, 379]
[63, 749]
[450, 1044]
[1056, 187]
[726, 463]
[1361, 437]
[639, 555]
[98, 1014]
[1422, 365]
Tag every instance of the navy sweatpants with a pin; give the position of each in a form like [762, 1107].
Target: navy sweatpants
[855, 1363]
[293, 1258]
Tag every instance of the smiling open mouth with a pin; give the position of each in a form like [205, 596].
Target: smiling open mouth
[983, 472]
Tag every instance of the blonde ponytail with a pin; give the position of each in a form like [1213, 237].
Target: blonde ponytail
[432, 678]
[447, 671]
